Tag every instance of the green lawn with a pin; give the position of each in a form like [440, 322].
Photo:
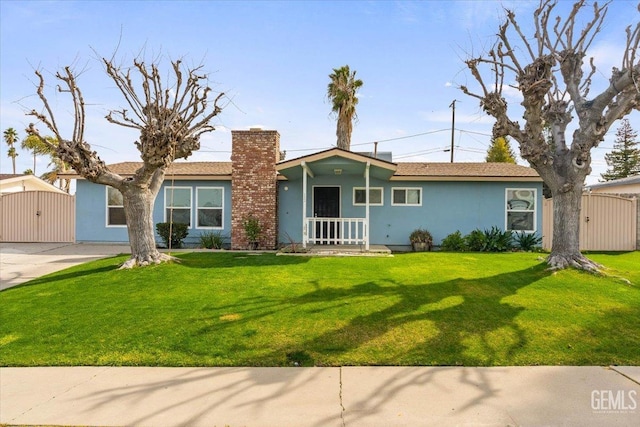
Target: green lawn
[233, 309]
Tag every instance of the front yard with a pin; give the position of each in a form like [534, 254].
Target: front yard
[234, 309]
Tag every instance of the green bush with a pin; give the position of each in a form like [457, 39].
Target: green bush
[179, 232]
[454, 242]
[527, 241]
[476, 240]
[497, 240]
[252, 228]
[211, 240]
[493, 240]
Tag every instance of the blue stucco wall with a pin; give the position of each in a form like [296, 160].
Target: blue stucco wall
[91, 213]
[446, 207]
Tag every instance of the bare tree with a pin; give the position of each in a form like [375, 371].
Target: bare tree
[171, 118]
[547, 69]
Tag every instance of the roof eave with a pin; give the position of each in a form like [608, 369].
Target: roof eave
[287, 164]
[466, 178]
[225, 177]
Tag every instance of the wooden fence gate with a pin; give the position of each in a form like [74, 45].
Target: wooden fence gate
[607, 223]
[37, 216]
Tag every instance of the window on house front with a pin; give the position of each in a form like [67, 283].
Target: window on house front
[209, 202]
[177, 205]
[375, 196]
[521, 209]
[406, 197]
[115, 208]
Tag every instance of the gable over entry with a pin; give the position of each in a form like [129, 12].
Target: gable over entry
[331, 163]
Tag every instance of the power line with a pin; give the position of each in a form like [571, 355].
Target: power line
[402, 137]
[419, 153]
[372, 142]
[474, 132]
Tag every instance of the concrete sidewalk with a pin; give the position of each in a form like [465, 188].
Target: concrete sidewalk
[347, 396]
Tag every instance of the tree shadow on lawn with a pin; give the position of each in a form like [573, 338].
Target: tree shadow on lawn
[57, 276]
[454, 322]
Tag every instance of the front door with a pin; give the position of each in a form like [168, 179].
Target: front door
[326, 204]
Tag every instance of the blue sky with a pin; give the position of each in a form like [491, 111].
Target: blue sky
[272, 59]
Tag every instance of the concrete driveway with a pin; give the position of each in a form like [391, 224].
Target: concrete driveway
[21, 262]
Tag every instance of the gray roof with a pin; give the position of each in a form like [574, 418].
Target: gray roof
[405, 170]
[466, 170]
[635, 179]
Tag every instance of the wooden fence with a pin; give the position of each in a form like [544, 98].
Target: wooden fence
[607, 223]
[37, 216]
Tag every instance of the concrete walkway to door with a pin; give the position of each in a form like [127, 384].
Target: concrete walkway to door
[21, 262]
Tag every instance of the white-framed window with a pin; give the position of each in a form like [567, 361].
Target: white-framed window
[410, 196]
[520, 209]
[177, 205]
[210, 207]
[376, 197]
[115, 208]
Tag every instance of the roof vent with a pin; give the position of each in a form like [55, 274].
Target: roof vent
[256, 129]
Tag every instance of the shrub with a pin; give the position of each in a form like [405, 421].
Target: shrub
[293, 247]
[497, 240]
[527, 241]
[493, 240]
[476, 240]
[211, 240]
[454, 242]
[252, 229]
[179, 232]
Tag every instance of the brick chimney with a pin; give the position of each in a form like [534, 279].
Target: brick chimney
[254, 155]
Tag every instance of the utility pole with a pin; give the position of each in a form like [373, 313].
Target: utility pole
[453, 124]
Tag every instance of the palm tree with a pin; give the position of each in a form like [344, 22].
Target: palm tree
[11, 137]
[54, 175]
[342, 93]
[40, 148]
[32, 143]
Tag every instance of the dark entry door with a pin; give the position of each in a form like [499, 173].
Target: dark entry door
[326, 204]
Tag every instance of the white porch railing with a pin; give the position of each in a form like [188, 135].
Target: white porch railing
[335, 231]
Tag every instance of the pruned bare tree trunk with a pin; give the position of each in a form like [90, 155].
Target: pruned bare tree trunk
[138, 208]
[547, 70]
[170, 118]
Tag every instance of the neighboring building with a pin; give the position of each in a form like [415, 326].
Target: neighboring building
[32, 210]
[629, 186]
[10, 183]
[321, 198]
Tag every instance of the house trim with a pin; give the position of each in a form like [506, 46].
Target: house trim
[406, 204]
[107, 206]
[353, 199]
[533, 211]
[171, 188]
[198, 207]
[467, 178]
[336, 152]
